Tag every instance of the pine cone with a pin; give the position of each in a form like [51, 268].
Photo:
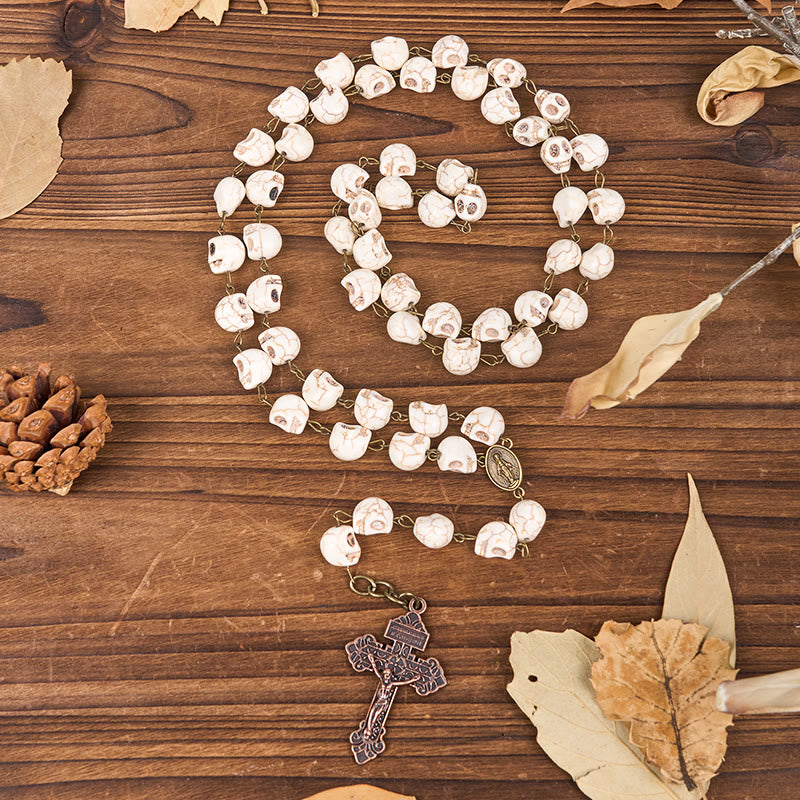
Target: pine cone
[47, 436]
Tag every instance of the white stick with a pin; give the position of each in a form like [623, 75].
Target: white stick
[778, 693]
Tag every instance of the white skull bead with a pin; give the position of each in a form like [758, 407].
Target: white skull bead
[390, 52]
[569, 204]
[450, 51]
[262, 240]
[233, 314]
[435, 210]
[434, 531]
[281, 344]
[408, 451]
[264, 294]
[372, 410]
[527, 518]
[400, 293]
[291, 105]
[589, 150]
[340, 234]
[607, 206]
[532, 307]
[363, 288]
[419, 75]
[372, 515]
[397, 159]
[597, 262]
[452, 176]
[470, 203]
[340, 547]
[321, 391]
[264, 187]
[289, 413]
[442, 320]
[393, 193]
[253, 366]
[296, 143]
[349, 442]
[484, 424]
[370, 250]
[373, 81]
[522, 349]
[496, 540]
[507, 72]
[530, 131]
[469, 83]
[562, 256]
[330, 106]
[556, 153]
[336, 72]
[461, 356]
[569, 310]
[500, 106]
[347, 180]
[553, 106]
[364, 209]
[228, 195]
[256, 149]
[492, 325]
[456, 454]
[428, 418]
[225, 253]
[404, 327]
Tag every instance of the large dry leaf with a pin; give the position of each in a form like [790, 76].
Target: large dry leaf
[662, 678]
[155, 15]
[211, 9]
[732, 92]
[360, 792]
[552, 687]
[625, 3]
[649, 349]
[33, 95]
[697, 587]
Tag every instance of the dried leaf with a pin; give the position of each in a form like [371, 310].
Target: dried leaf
[155, 15]
[211, 9]
[33, 95]
[662, 677]
[796, 244]
[626, 3]
[651, 346]
[697, 587]
[552, 687]
[731, 93]
[359, 792]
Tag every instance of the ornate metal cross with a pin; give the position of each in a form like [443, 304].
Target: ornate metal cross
[395, 666]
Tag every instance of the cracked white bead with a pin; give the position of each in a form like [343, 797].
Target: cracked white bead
[233, 314]
[450, 51]
[321, 391]
[390, 52]
[597, 262]
[569, 310]
[442, 320]
[289, 412]
[226, 253]
[404, 327]
[296, 143]
[397, 159]
[589, 150]
[461, 356]
[523, 348]
[372, 515]
[330, 106]
[532, 307]
[291, 105]
[281, 344]
[435, 210]
[492, 325]
[364, 209]
[393, 193]
[456, 454]
[470, 203]
[507, 72]
[409, 451]
[347, 180]
[256, 149]
[349, 442]
[452, 176]
[373, 81]
[434, 530]
[336, 72]
[262, 241]
[264, 187]
[530, 131]
[400, 293]
[340, 234]
[484, 424]
[562, 256]
[419, 75]
[556, 154]
[253, 367]
[428, 418]
[340, 547]
[553, 106]
[228, 195]
[527, 518]
[569, 204]
[500, 106]
[469, 83]
[607, 206]
[264, 294]
[370, 250]
[372, 410]
[496, 540]
[363, 288]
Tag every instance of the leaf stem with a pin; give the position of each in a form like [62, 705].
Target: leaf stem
[769, 27]
[314, 8]
[769, 258]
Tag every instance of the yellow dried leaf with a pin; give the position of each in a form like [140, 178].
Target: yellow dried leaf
[155, 15]
[33, 95]
[211, 9]
[625, 3]
[359, 792]
[731, 93]
[651, 346]
[662, 678]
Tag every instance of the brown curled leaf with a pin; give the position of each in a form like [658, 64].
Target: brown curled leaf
[359, 792]
[651, 346]
[732, 92]
[626, 3]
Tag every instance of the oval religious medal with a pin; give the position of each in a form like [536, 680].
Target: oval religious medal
[503, 468]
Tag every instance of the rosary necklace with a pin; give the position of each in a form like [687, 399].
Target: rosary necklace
[457, 200]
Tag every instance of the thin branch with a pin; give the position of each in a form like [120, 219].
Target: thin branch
[766, 25]
[778, 693]
[769, 258]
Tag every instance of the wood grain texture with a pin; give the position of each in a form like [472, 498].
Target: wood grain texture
[169, 629]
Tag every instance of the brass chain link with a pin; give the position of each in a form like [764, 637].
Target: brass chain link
[383, 590]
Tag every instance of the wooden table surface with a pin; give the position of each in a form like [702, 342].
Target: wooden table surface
[169, 629]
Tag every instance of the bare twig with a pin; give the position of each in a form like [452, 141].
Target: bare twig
[314, 8]
[768, 26]
[767, 694]
[769, 258]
